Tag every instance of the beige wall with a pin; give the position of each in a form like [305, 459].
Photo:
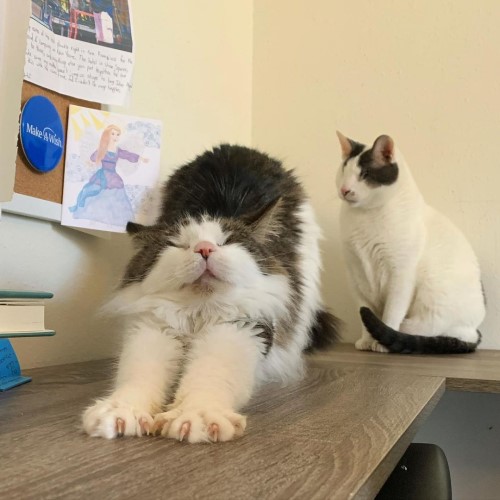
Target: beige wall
[424, 72]
[193, 70]
[79, 269]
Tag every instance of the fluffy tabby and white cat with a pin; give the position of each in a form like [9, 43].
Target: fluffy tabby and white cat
[222, 293]
[415, 275]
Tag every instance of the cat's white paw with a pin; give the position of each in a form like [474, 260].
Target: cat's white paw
[364, 344]
[109, 419]
[200, 425]
[368, 344]
[378, 347]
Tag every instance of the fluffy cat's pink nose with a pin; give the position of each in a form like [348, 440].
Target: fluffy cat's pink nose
[205, 248]
[345, 191]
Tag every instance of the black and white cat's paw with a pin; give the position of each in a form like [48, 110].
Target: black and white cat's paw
[109, 418]
[197, 425]
[369, 344]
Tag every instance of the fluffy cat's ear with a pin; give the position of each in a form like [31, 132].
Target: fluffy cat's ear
[383, 150]
[140, 234]
[262, 220]
[134, 228]
[346, 145]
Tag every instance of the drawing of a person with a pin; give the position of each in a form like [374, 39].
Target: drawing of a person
[103, 197]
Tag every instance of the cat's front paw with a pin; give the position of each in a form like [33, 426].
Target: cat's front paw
[200, 425]
[109, 419]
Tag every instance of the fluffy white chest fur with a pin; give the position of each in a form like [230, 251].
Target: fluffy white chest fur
[407, 262]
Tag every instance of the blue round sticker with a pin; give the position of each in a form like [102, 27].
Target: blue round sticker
[42, 135]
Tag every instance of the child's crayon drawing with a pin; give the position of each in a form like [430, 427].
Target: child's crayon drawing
[112, 165]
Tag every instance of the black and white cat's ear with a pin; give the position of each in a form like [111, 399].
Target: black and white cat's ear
[346, 145]
[260, 214]
[383, 150]
[134, 228]
[263, 219]
[138, 233]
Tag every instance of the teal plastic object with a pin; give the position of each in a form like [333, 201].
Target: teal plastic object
[10, 370]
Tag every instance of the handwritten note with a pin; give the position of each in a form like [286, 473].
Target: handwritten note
[76, 68]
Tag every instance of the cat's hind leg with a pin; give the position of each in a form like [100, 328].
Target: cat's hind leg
[465, 333]
[147, 368]
[428, 328]
[218, 380]
[426, 325]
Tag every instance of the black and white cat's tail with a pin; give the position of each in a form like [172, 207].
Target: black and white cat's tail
[405, 343]
[324, 332]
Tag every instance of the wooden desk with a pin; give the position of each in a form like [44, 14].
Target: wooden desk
[337, 434]
[476, 372]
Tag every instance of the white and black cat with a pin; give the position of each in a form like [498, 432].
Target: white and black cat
[222, 293]
[415, 275]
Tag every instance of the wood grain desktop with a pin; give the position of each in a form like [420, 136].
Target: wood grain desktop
[337, 434]
[476, 372]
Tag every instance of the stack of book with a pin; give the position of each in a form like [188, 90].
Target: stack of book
[22, 314]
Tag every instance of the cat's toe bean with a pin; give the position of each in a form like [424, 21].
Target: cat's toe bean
[111, 419]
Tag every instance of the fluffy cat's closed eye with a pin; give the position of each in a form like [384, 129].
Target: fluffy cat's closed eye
[222, 293]
[414, 274]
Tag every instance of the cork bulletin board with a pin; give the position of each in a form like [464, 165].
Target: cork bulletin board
[45, 186]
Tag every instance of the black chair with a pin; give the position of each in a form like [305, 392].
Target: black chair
[421, 474]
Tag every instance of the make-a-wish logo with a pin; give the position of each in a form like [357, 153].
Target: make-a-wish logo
[47, 134]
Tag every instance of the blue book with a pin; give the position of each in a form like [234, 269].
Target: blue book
[24, 294]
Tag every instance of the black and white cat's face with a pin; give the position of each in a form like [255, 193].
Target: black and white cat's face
[203, 254]
[366, 175]
[202, 258]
